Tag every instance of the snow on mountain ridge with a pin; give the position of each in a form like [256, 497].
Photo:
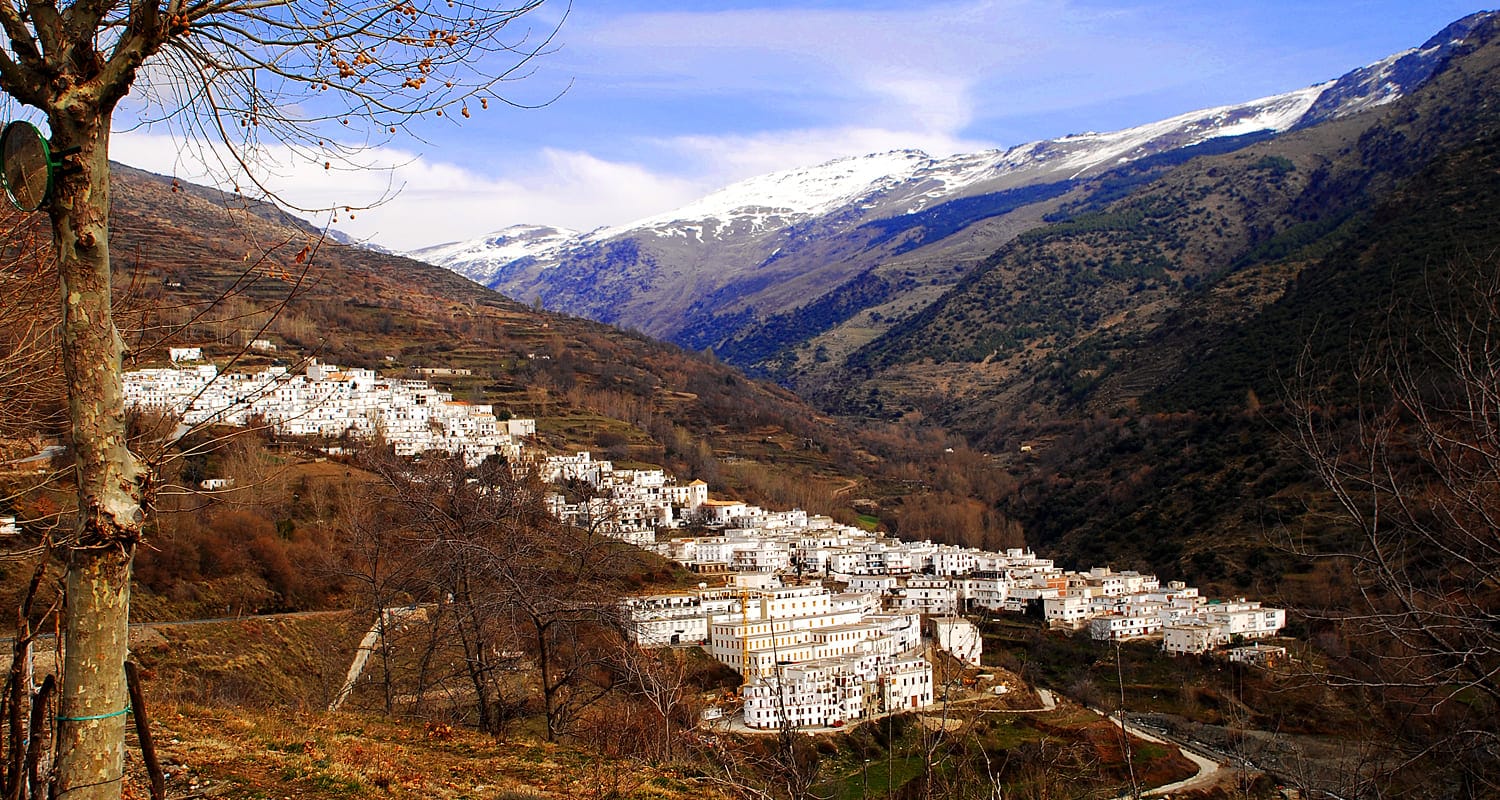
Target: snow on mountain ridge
[907, 180]
[1080, 152]
[792, 194]
[859, 188]
[1380, 74]
[483, 258]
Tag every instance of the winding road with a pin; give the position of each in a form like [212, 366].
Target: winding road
[1208, 769]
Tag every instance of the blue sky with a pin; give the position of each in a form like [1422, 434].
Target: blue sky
[668, 100]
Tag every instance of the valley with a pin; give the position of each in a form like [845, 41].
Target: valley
[894, 475]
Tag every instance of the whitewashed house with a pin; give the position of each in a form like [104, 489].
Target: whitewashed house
[960, 638]
[926, 596]
[1189, 637]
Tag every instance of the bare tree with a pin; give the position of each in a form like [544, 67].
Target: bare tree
[377, 561]
[27, 707]
[28, 355]
[279, 69]
[509, 580]
[565, 592]
[1412, 462]
[459, 530]
[30, 405]
[786, 766]
[659, 677]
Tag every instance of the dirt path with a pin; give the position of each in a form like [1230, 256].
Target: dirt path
[1049, 703]
[849, 486]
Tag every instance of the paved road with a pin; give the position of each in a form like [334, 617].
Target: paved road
[1208, 769]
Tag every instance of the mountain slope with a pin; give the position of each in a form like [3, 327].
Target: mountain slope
[730, 270]
[1140, 347]
[201, 269]
[1108, 273]
[796, 234]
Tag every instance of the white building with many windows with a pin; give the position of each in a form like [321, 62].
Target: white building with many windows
[808, 656]
[837, 690]
[1216, 624]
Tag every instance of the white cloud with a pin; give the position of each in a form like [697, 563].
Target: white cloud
[405, 200]
[908, 68]
[963, 67]
[941, 77]
[439, 202]
[933, 103]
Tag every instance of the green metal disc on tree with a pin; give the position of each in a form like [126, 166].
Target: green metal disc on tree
[26, 165]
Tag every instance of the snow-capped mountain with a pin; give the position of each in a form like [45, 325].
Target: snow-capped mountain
[899, 181]
[771, 202]
[782, 240]
[1388, 79]
[501, 248]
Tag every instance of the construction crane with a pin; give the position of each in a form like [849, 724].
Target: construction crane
[744, 635]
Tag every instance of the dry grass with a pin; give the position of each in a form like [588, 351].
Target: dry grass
[236, 712]
[243, 753]
[294, 662]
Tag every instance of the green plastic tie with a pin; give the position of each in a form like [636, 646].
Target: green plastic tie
[121, 712]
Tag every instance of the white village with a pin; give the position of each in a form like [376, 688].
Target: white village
[827, 623]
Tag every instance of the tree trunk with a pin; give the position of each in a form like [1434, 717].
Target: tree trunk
[476, 647]
[544, 667]
[93, 699]
[385, 664]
